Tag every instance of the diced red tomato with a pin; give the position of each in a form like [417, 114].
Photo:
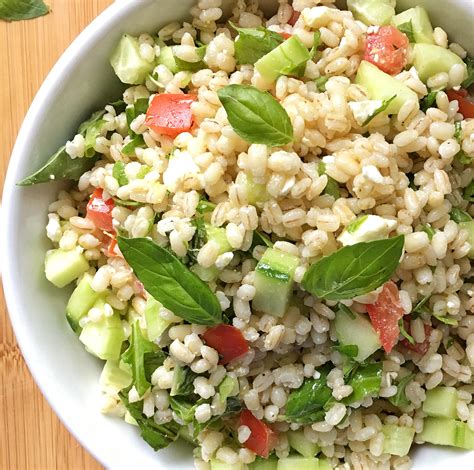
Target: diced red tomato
[285, 35]
[100, 211]
[227, 340]
[294, 17]
[262, 438]
[170, 114]
[112, 248]
[466, 107]
[419, 348]
[384, 315]
[387, 48]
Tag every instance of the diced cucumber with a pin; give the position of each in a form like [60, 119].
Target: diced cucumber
[357, 331]
[156, 325]
[104, 338]
[372, 12]
[115, 376]
[283, 60]
[420, 23]
[256, 192]
[264, 464]
[298, 463]
[63, 266]
[81, 301]
[127, 62]
[218, 465]
[274, 282]
[301, 444]
[464, 436]
[324, 465]
[429, 60]
[398, 439]
[469, 226]
[166, 58]
[381, 86]
[441, 402]
[440, 431]
[205, 274]
[218, 235]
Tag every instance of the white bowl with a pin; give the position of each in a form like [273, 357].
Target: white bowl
[80, 83]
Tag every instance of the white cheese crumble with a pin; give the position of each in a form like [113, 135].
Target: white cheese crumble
[362, 110]
[366, 228]
[372, 173]
[180, 164]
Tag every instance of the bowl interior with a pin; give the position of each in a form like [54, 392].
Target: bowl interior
[68, 376]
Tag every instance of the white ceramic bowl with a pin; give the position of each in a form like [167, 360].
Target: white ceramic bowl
[80, 83]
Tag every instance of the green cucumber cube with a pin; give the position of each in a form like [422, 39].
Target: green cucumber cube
[115, 376]
[420, 22]
[301, 444]
[264, 464]
[63, 266]
[256, 192]
[464, 436]
[218, 235]
[156, 325]
[298, 463]
[324, 465]
[440, 431]
[372, 12]
[441, 402]
[398, 439]
[274, 282]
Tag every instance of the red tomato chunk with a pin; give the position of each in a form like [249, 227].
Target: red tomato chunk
[227, 340]
[294, 17]
[262, 438]
[170, 114]
[466, 107]
[387, 48]
[384, 315]
[100, 211]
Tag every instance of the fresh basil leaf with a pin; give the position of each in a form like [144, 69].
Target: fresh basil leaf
[400, 399]
[321, 83]
[129, 148]
[16, 10]
[183, 381]
[256, 115]
[429, 230]
[365, 381]
[470, 73]
[306, 404]
[118, 172]
[354, 270]
[170, 282]
[428, 101]
[260, 239]
[385, 104]
[184, 409]
[407, 29]
[459, 216]
[234, 406]
[468, 193]
[144, 357]
[204, 206]
[158, 436]
[253, 43]
[404, 332]
[446, 320]
[349, 350]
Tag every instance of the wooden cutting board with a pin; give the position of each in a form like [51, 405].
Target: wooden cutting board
[31, 436]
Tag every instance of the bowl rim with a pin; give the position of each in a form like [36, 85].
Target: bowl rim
[78, 48]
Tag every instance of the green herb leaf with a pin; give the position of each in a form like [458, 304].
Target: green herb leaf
[446, 320]
[199, 238]
[183, 378]
[121, 202]
[16, 10]
[129, 149]
[134, 110]
[407, 29]
[158, 436]
[365, 381]
[321, 83]
[404, 332]
[256, 115]
[227, 386]
[385, 104]
[349, 350]
[459, 216]
[92, 132]
[234, 406]
[354, 270]
[470, 73]
[316, 43]
[118, 172]
[420, 306]
[306, 404]
[185, 66]
[204, 206]
[253, 43]
[170, 282]
[400, 399]
[429, 230]
[468, 193]
[144, 357]
[184, 409]
[260, 239]
[332, 186]
[428, 101]
[458, 131]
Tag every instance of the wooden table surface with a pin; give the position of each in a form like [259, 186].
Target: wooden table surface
[31, 436]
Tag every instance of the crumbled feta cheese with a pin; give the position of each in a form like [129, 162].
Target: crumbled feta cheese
[362, 110]
[317, 16]
[180, 164]
[329, 159]
[372, 173]
[366, 228]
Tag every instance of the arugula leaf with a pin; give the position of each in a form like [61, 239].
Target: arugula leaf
[170, 282]
[428, 101]
[407, 29]
[306, 404]
[429, 230]
[137, 141]
[459, 216]
[349, 350]
[253, 43]
[470, 73]
[404, 332]
[183, 378]
[234, 406]
[204, 206]
[468, 193]
[365, 381]
[158, 436]
[144, 357]
[16, 10]
[400, 399]
[118, 172]
[354, 270]
[446, 320]
[385, 104]
[321, 83]
[256, 115]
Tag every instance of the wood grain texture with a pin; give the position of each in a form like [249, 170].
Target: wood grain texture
[31, 436]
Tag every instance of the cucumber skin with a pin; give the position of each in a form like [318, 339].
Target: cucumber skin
[303, 446]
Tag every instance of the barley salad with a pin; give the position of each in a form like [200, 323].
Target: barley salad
[270, 236]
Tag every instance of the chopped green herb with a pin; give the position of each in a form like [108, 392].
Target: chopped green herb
[458, 131]
[137, 141]
[459, 216]
[420, 306]
[385, 104]
[400, 399]
[404, 332]
[446, 320]
[204, 206]
[349, 350]
[429, 230]
[321, 83]
[468, 193]
[121, 202]
[428, 101]
[470, 73]
[118, 172]
[407, 29]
